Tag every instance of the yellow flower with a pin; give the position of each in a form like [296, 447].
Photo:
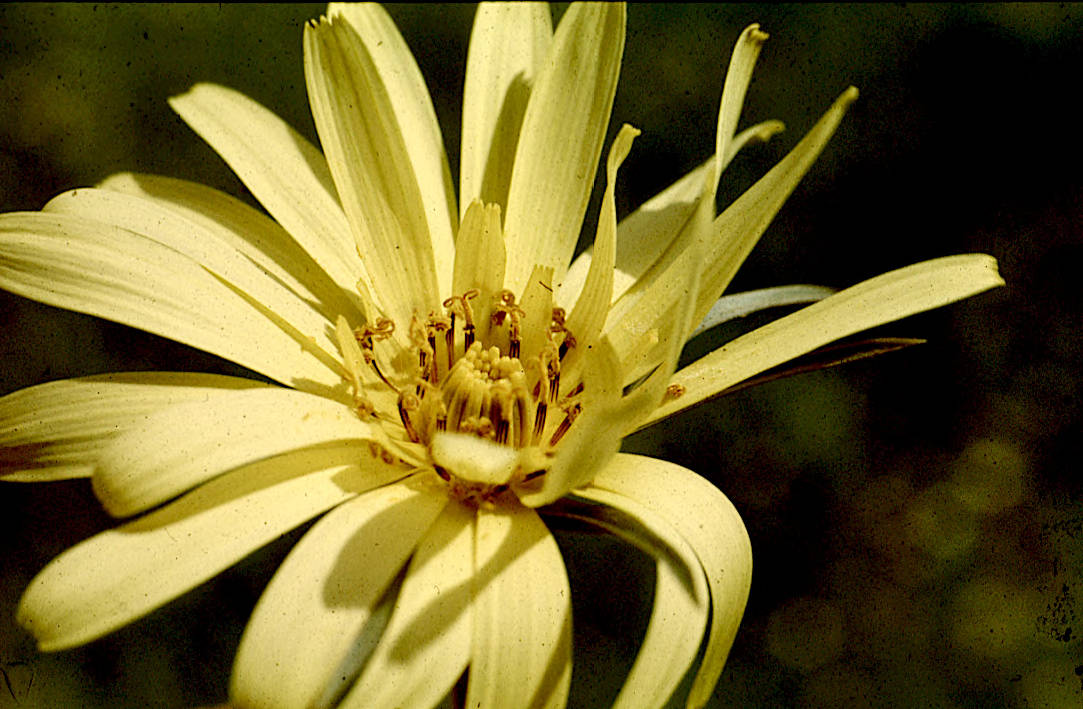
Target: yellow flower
[448, 377]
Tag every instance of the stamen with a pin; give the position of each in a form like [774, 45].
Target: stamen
[408, 403]
[557, 328]
[515, 341]
[468, 317]
[506, 308]
[433, 325]
[424, 350]
[539, 420]
[365, 337]
[566, 424]
[574, 392]
[549, 373]
[449, 340]
[434, 375]
[522, 405]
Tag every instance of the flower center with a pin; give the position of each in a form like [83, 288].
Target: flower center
[490, 384]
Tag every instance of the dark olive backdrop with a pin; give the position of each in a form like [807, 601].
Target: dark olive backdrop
[915, 520]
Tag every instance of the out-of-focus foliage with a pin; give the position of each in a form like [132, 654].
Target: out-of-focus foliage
[916, 520]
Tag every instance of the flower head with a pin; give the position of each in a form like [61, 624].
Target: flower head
[447, 376]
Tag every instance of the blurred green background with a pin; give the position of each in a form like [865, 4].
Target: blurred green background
[915, 520]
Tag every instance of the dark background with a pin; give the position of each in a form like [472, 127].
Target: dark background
[915, 520]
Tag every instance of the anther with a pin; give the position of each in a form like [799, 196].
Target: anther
[408, 403]
[507, 309]
[435, 324]
[557, 328]
[569, 419]
[539, 419]
[449, 340]
[573, 393]
[365, 337]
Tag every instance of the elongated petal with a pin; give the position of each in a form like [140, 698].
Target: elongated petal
[681, 598]
[737, 230]
[366, 151]
[179, 447]
[645, 234]
[561, 140]
[247, 231]
[57, 430]
[608, 413]
[709, 523]
[480, 257]
[522, 614]
[738, 77]
[592, 306]
[296, 649]
[643, 337]
[205, 247]
[508, 45]
[879, 300]
[642, 236]
[85, 593]
[594, 436]
[725, 244]
[426, 645]
[410, 100]
[283, 171]
[115, 274]
[738, 305]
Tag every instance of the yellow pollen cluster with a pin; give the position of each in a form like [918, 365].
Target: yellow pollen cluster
[474, 376]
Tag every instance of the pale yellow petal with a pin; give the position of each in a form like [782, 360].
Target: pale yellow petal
[594, 436]
[473, 458]
[121, 575]
[712, 527]
[891, 296]
[521, 654]
[681, 599]
[645, 234]
[608, 413]
[410, 100]
[561, 140]
[642, 237]
[737, 230]
[205, 247]
[426, 645]
[738, 305]
[93, 268]
[738, 77]
[588, 316]
[366, 151]
[724, 245]
[175, 449]
[249, 232]
[647, 340]
[508, 44]
[308, 629]
[480, 258]
[283, 171]
[537, 305]
[57, 430]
